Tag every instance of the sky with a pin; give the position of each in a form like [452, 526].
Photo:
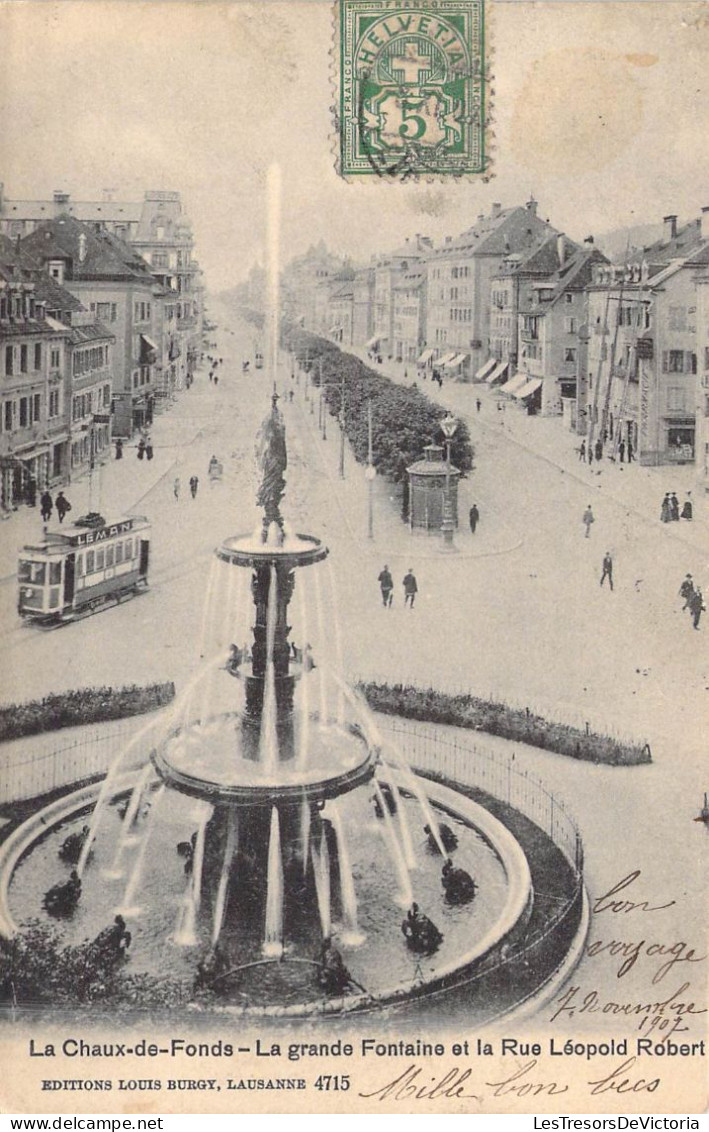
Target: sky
[599, 109]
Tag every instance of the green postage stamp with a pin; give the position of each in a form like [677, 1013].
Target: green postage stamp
[412, 88]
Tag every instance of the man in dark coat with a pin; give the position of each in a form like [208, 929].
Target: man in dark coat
[410, 589]
[46, 506]
[63, 505]
[386, 584]
[607, 569]
[474, 516]
[696, 607]
[686, 590]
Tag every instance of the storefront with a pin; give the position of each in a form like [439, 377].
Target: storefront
[680, 441]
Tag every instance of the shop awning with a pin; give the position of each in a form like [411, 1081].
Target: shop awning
[515, 382]
[485, 369]
[425, 357]
[148, 350]
[456, 361]
[445, 359]
[372, 343]
[528, 388]
[497, 374]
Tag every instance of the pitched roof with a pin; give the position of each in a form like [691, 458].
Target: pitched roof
[92, 332]
[574, 275]
[510, 231]
[104, 255]
[687, 239]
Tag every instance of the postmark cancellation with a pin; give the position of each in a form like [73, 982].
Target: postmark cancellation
[412, 95]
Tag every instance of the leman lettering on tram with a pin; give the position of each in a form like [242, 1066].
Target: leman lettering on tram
[83, 568]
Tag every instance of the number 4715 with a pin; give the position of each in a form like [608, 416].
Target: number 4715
[337, 1082]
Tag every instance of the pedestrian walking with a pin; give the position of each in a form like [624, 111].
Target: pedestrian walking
[598, 452]
[119, 449]
[582, 450]
[149, 449]
[621, 451]
[386, 585]
[410, 589]
[194, 484]
[478, 404]
[665, 509]
[176, 488]
[588, 520]
[141, 448]
[473, 517]
[674, 508]
[687, 508]
[607, 569]
[62, 505]
[686, 590]
[696, 607]
[46, 505]
[216, 380]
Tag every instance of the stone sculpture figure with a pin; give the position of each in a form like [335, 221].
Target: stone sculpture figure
[272, 459]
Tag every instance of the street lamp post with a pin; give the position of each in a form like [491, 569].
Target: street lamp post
[448, 426]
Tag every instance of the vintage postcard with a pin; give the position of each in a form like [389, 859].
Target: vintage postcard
[354, 460]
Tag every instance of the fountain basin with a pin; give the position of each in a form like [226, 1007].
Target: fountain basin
[219, 762]
[295, 550]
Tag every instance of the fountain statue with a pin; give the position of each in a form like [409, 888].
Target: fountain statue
[273, 460]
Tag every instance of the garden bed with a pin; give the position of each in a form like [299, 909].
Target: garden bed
[81, 706]
[496, 718]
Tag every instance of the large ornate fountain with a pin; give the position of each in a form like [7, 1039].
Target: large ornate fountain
[258, 839]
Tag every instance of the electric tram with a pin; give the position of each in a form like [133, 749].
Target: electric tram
[83, 567]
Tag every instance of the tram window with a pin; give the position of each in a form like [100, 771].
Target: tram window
[55, 573]
[79, 565]
[89, 562]
[32, 572]
[109, 556]
[119, 553]
[137, 548]
[99, 559]
[129, 548]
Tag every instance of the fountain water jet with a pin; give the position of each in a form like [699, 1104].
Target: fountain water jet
[351, 934]
[273, 934]
[223, 888]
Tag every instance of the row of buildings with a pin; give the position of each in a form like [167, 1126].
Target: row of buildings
[101, 324]
[620, 351]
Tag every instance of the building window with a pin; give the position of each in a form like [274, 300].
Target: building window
[570, 325]
[38, 355]
[570, 355]
[23, 359]
[55, 358]
[673, 361]
[36, 407]
[54, 403]
[568, 297]
[106, 396]
[24, 412]
[8, 413]
[103, 311]
[9, 360]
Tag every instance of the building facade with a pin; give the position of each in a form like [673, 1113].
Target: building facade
[117, 287]
[459, 282]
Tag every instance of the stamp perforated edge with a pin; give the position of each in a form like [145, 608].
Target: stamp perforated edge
[408, 176]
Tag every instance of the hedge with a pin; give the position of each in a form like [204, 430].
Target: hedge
[404, 419]
[495, 718]
[83, 705]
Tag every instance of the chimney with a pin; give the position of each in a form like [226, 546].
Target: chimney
[589, 240]
[561, 247]
[532, 206]
[60, 200]
[669, 228]
[704, 223]
[496, 209]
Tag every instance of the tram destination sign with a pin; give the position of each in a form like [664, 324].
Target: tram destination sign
[100, 534]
